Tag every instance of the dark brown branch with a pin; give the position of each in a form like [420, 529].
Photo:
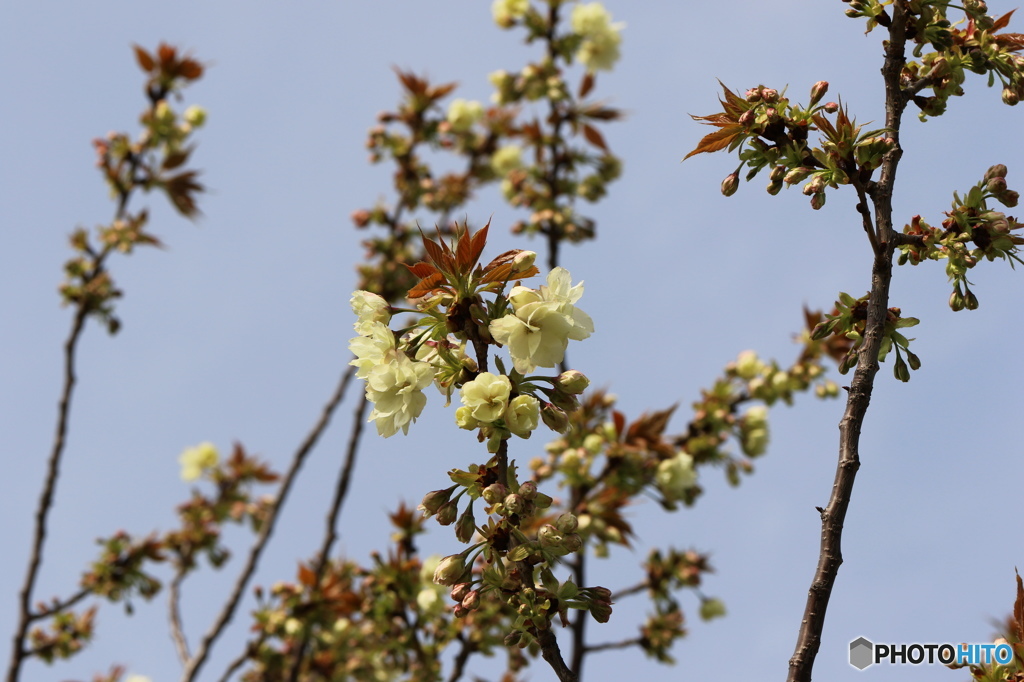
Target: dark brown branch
[228, 611]
[833, 516]
[18, 652]
[553, 655]
[630, 591]
[459, 665]
[58, 606]
[331, 533]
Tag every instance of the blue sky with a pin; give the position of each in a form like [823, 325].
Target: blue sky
[238, 330]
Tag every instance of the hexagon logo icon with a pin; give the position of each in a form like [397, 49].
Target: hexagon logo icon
[861, 653]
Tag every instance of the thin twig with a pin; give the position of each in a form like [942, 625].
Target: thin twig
[630, 591]
[58, 606]
[624, 644]
[228, 611]
[331, 533]
[174, 615]
[833, 516]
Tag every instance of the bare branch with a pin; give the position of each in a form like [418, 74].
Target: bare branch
[553, 655]
[624, 644]
[228, 611]
[174, 615]
[833, 516]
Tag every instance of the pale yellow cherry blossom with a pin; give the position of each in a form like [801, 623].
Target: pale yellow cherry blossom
[369, 308]
[675, 476]
[600, 47]
[194, 461]
[371, 348]
[462, 114]
[505, 11]
[486, 396]
[536, 335]
[507, 159]
[522, 415]
[395, 388]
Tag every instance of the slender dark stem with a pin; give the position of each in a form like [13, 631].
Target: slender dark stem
[579, 625]
[58, 606]
[228, 611]
[630, 591]
[331, 533]
[46, 497]
[174, 614]
[607, 646]
[833, 516]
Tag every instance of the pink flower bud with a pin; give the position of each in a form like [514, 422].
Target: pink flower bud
[528, 490]
[554, 418]
[770, 95]
[831, 107]
[433, 500]
[471, 600]
[818, 91]
[514, 503]
[996, 171]
[1010, 96]
[747, 118]
[731, 184]
[460, 591]
[818, 200]
[754, 94]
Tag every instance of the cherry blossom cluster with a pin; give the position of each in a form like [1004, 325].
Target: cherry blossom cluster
[535, 325]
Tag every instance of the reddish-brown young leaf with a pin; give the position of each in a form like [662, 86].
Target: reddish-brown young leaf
[175, 159]
[1002, 22]
[619, 420]
[413, 84]
[166, 54]
[439, 91]
[427, 285]
[421, 269]
[600, 113]
[434, 251]
[587, 84]
[307, 576]
[144, 59]
[477, 244]
[594, 137]
[190, 69]
[720, 139]
[504, 272]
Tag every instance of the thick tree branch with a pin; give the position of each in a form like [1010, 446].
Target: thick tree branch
[833, 516]
[228, 611]
[553, 655]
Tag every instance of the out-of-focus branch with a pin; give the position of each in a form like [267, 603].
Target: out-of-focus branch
[228, 611]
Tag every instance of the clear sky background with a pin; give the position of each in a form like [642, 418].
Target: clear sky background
[239, 329]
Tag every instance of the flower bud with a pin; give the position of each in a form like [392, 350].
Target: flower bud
[523, 261]
[996, 185]
[774, 188]
[567, 523]
[514, 503]
[446, 514]
[970, 300]
[466, 526]
[528, 490]
[460, 591]
[1009, 198]
[754, 94]
[956, 301]
[731, 184]
[572, 382]
[818, 91]
[555, 418]
[996, 171]
[450, 569]
[818, 200]
[572, 542]
[549, 536]
[831, 107]
[471, 600]
[1010, 96]
[777, 174]
[494, 493]
[747, 118]
[433, 500]
[711, 608]
[797, 174]
[900, 370]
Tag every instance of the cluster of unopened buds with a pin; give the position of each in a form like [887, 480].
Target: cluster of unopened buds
[970, 222]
